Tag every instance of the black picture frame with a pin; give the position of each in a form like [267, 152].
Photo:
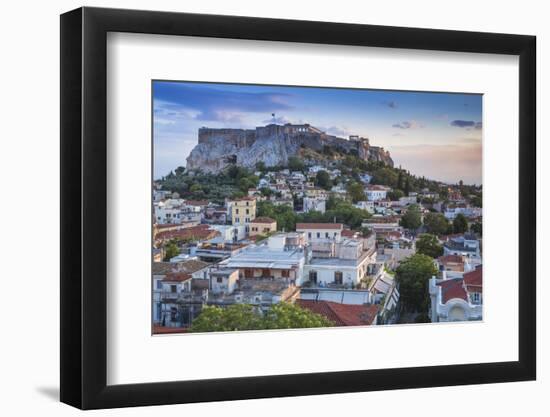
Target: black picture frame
[84, 207]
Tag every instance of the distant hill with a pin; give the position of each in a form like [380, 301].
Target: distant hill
[273, 145]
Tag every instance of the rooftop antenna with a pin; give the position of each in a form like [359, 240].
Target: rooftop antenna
[273, 116]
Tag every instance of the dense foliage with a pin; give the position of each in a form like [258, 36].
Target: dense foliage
[437, 224]
[413, 275]
[412, 219]
[338, 211]
[233, 182]
[429, 245]
[460, 223]
[247, 317]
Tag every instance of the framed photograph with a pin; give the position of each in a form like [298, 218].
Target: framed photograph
[257, 208]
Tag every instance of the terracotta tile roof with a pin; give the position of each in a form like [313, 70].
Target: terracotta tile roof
[342, 314]
[190, 266]
[177, 277]
[450, 259]
[453, 288]
[163, 268]
[349, 233]
[474, 280]
[196, 202]
[335, 226]
[268, 220]
[200, 232]
[249, 198]
[169, 330]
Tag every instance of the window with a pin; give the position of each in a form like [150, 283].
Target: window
[313, 276]
[173, 288]
[309, 235]
[247, 211]
[159, 285]
[326, 235]
[318, 235]
[236, 211]
[219, 279]
[476, 298]
[285, 273]
[338, 278]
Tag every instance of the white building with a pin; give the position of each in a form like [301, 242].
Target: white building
[314, 204]
[282, 257]
[230, 233]
[457, 299]
[466, 245]
[365, 205]
[376, 192]
[315, 232]
[344, 263]
[469, 212]
[223, 280]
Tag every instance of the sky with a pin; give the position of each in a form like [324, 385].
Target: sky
[437, 135]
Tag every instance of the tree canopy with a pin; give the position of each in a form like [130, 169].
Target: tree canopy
[247, 317]
[429, 245]
[356, 191]
[460, 223]
[436, 223]
[171, 250]
[413, 275]
[412, 219]
[322, 179]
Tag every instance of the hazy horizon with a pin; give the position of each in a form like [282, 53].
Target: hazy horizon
[431, 134]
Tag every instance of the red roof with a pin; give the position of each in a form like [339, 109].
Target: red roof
[244, 199]
[177, 277]
[196, 202]
[335, 226]
[169, 330]
[450, 259]
[267, 220]
[200, 232]
[453, 288]
[342, 314]
[474, 280]
[349, 233]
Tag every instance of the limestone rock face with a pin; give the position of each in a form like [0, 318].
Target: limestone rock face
[272, 145]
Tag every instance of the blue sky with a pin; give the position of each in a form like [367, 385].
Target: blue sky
[433, 134]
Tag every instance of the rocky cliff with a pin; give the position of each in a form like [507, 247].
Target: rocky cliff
[273, 145]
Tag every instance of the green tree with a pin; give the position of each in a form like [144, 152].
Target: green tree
[295, 164]
[385, 176]
[291, 316]
[413, 275]
[477, 228]
[407, 188]
[195, 188]
[356, 191]
[436, 223]
[234, 317]
[396, 194]
[260, 166]
[460, 223]
[429, 245]
[171, 250]
[322, 179]
[412, 219]
[400, 181]
[247, 317]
